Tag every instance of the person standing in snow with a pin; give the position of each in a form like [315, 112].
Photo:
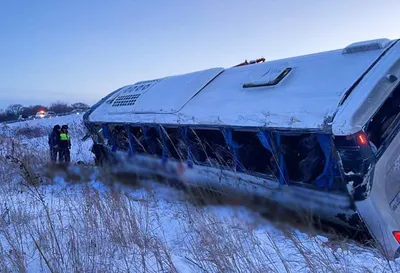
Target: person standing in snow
[65, 144]
[54, 142]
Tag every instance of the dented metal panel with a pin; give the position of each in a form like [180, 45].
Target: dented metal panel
[380, 210]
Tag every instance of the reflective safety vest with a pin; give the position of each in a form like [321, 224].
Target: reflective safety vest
[64, 136]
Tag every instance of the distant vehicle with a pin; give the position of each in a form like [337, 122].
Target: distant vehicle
[78, 111]
[50, 114]
[44, 114]
[22, 117]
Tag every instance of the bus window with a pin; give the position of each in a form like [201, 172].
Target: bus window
[384, 123]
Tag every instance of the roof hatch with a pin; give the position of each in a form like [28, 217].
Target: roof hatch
[366, 46]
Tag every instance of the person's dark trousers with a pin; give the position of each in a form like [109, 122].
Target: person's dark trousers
[65, 155]
[61, 156]
[53, 154]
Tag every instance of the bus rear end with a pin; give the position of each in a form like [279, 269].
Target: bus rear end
[380, 209]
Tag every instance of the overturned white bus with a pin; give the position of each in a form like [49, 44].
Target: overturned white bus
[313, 133]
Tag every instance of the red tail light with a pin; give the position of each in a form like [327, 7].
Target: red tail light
[396, 235]
[362, 139]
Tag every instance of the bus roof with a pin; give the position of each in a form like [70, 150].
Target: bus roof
[302, 92]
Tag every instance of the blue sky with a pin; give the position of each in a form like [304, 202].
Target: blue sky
[82, 50]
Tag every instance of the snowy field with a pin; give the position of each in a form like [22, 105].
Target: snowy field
[74, 225]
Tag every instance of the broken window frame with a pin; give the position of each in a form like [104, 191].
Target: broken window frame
[394, 126]
[324, 179]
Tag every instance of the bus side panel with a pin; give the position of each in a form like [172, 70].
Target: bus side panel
[381, 211]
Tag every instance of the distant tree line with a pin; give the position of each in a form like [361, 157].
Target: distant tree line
[13, 111]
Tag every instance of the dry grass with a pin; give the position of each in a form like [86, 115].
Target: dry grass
[88, 231]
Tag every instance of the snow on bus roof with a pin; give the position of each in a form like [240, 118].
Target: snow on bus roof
[295, 93]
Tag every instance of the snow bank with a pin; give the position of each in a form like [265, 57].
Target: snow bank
[34, 133]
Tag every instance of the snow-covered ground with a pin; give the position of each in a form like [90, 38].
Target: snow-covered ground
[57, 225]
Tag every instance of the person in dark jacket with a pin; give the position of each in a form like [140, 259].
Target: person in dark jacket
[54, 142]
[65, 144]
